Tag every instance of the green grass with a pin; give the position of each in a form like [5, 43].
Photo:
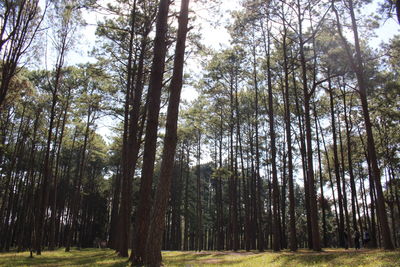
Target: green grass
[99, 257]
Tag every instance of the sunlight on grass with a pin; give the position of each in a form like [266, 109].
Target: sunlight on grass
[106, 257]
[84, 257]
[330, 257]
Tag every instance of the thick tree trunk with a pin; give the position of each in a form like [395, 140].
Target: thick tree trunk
[154, 94]
[113, 232]
[154, 240]
[133, 137]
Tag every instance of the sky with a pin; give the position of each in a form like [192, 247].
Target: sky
[214, 36]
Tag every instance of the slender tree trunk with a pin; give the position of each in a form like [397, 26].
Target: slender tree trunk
[321, 183]
[336, 166]
[47, 169]
[124, 213]
[357, 66]
[329, 173]
[275, 187]
[219, 198]
[31, 186]
[199, 224]
[350, 162]
[373, 243]
[77, 194]
[349, 241]
[292, 214]
[310, 169]
[186, 203]
[53, 230]
[303, 151]
[246, 226]
[9, 185]
[233, 238]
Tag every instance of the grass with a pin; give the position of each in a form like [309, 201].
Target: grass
[99, 257]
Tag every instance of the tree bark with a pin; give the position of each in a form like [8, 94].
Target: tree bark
[321, 183]
[357, 66]
[154, 240]
[154, 94]
[336, 166]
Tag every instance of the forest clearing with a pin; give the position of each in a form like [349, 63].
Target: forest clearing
[266, 130]
[107, 257]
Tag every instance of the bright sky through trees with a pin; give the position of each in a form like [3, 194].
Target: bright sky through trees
[211, 20]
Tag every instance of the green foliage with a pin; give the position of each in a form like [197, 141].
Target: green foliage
[221, 173]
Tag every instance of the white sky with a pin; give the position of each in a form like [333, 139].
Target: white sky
[213, 36]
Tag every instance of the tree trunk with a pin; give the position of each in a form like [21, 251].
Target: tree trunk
[275, 187]
[199, 223]
[77, 194]
[113, 232]
[337, 171]
[303, 151]
[154, 240]
[321, 183]
[357, 66]
[47, 169]
[347, 120]
[186, 203]
[53, 229]
[154, 94]
[124, 213]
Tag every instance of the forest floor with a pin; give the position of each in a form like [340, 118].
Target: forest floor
[99, 257]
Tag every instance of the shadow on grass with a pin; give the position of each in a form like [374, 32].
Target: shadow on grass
[96, 257]
[84, 257]
[340, 258]
[200, 259]
[300, 259]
